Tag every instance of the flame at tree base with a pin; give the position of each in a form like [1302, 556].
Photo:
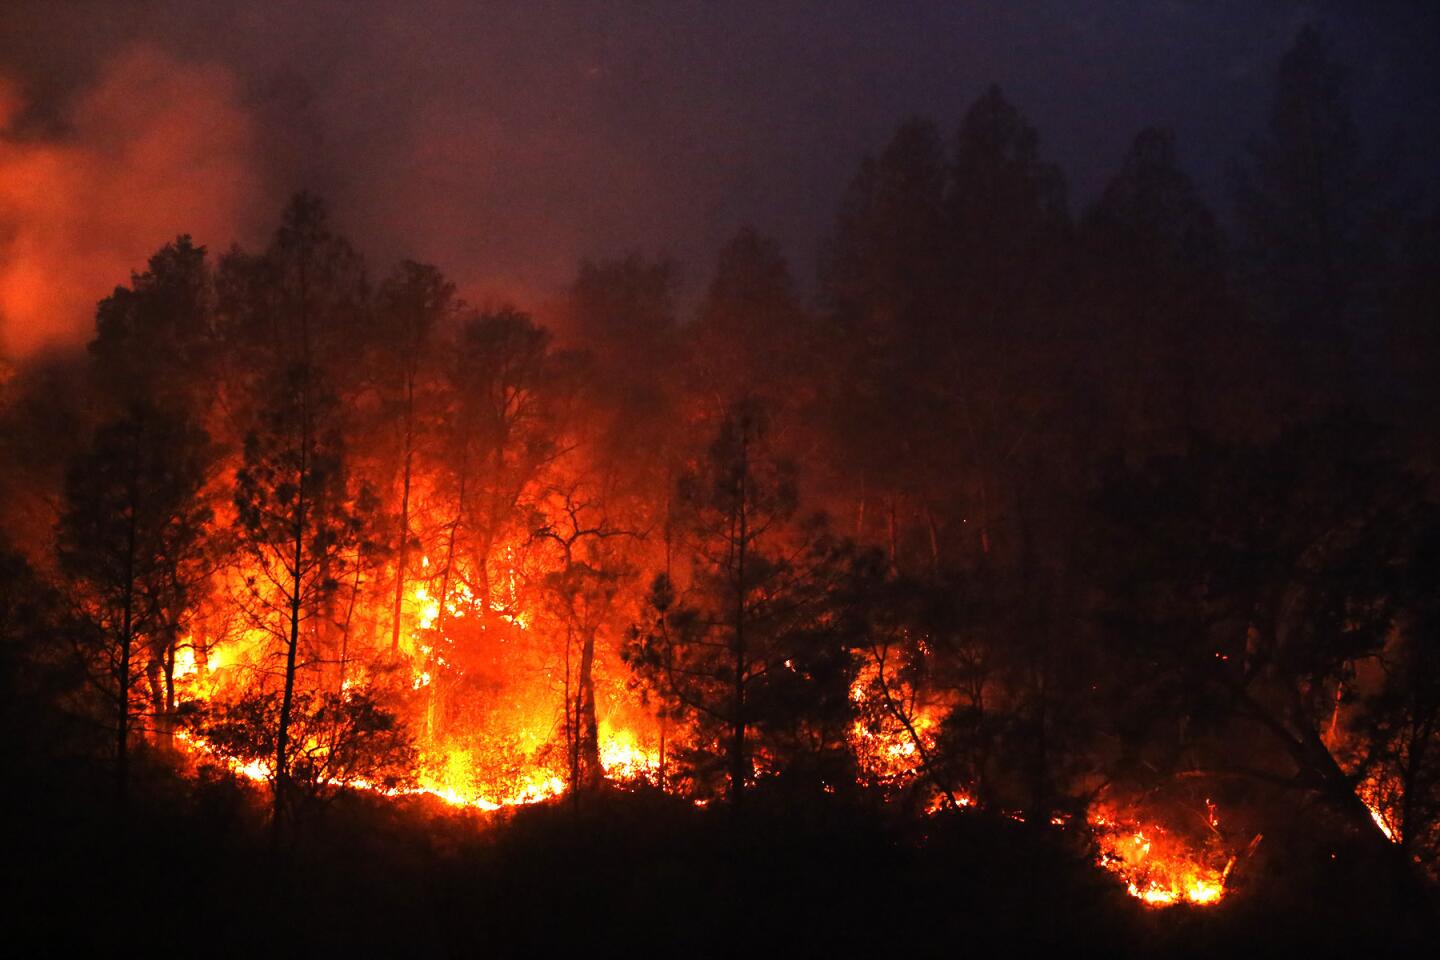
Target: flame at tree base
[452, 780]
[1157, 866]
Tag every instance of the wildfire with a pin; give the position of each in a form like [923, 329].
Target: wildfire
[623, 760]
[1158, 867]
[623, 757]
[195, 670]
[510, 753]
[496, 749]
[889, 751]
[429, 607]
[257, 770]
[1374, 795]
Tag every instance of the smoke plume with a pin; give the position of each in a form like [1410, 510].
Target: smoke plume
[154, 147]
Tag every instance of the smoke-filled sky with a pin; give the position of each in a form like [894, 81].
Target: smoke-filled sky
[506, 140]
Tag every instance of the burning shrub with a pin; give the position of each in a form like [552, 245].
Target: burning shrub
[337, 740]
[1163, 863]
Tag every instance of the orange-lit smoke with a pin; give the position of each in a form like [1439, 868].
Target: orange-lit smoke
[154, 148]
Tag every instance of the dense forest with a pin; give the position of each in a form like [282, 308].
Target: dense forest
[1052, 575]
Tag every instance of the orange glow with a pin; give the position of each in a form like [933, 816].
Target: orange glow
[1158, 867]
[482, 680]
[888, 753]
[1378, 800]
[481, 689]
[168, 144]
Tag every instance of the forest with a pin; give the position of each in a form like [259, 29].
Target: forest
[1052, 576]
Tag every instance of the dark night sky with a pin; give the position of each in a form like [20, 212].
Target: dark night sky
[504, 141]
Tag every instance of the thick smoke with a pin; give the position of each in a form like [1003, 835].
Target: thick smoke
[503, 141]
[153, 148]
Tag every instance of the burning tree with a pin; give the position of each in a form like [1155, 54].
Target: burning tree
[502, 393]
[300, 526]
[300, 518]
[581, 592]
[1395, 741]
[414, 302]
[502, 431]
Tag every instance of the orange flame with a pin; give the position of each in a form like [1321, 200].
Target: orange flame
[1158, 867]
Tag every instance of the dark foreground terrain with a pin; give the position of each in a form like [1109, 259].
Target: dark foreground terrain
[194, 874]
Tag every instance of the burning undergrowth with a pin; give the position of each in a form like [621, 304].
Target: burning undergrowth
[355, 738]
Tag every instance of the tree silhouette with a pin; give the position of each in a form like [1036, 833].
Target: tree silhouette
[749, 336]
[154, 340]
[295, 311]
[298, 522]
[1154, 272]
[736, 649]
[412, 303]
[1304, 205]
[582, 591]
[1263, 577]
[132, 539]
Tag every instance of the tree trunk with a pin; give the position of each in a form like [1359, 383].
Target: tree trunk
[127, 641]
[170, 679]
[572, 740]
[349, 619]
[737, 749]
[892, 535]
[898, 711]
[282, 734]
[404, 545]
[122, 742]
[587, 729]
[155, 679]
[445, 574]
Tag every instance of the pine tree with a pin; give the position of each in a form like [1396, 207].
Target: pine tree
[413, 302]
[738, 648]
[297, 519]
[132, 539]
[1305, 209]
